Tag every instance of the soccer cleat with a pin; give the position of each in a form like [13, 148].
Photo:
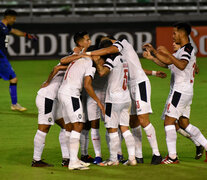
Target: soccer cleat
[77, 166]
[41, 164]
[18, 107]
[87, 158]
[156, 159]
[168, 160]
[84, 163]
[199, 152]
[97, 160]
[109, 163]
[130, 163]
[65, 162]
[139, 160]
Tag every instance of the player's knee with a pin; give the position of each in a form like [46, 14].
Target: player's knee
[44, 128]
[14, 80]
[95, 124]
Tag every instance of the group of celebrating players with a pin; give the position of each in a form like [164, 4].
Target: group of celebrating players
[106, 81]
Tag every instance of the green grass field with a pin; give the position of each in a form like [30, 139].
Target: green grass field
[17, 131]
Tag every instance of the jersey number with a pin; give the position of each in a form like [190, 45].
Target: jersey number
[66, 74]
[124, 86]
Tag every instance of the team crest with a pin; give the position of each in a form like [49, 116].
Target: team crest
[49, 119]
[79, 116]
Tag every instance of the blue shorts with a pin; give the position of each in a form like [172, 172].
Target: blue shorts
[6, 71]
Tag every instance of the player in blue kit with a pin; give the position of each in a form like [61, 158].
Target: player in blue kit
[6, 71]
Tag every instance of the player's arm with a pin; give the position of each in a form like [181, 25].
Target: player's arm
[179, 63]
[52, 74]
[68, 59]
[104, 51]
[155, 73]
[89, 89]
[148, 55]
[21, 33]
[160, 55]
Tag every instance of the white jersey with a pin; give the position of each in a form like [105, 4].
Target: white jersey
[183, 80]
[136, 73]
[117, 90]
[52, 89]
[74, 76]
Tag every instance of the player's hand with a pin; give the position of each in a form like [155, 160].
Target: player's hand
[45, 84]
[161, 74]
[101, 106]
[149, 47]
[96, 59]
[76, 50]
[30, 36]
[146, 54]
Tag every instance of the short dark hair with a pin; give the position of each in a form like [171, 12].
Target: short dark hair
[184, 26]
[10, 12]
[78, 36]
[105, 43]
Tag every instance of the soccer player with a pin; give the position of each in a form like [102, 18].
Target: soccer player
[6, 71]
[148, 55]
[140, 90]
[82, 41]
[49, 111]
[79, 72]
[117, 105]
[178, 105]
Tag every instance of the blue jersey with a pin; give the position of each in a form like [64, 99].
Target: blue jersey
[4, 37]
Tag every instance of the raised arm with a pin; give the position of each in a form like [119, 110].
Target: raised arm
[21, 33]
[52, 74]
[89, 89]
[104, 51]
[102, 70]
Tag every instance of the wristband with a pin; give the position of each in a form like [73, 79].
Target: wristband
[154, 73]
[88, 53]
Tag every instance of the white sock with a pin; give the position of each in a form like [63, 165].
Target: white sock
[39, 144]
[197, 135]
[151, 136]
[120, 142]
[185, 134]
[67, 137]
[130, 143]
[96, 140]
[63, 144]
[171, 137]
[84, 140]
[74, 146]
[107, 139]
[113, 144]
[137, 134]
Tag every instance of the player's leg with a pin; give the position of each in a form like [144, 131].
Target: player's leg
[94, 117]
[45, 120]
[193, 131]
[84, 141]
[137, 134]
[96, 140]
[63, 142]
[199, 148]
[8, 74]
[171, 137]
[120, 154]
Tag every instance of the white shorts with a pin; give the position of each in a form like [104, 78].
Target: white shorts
[72, 109]
[92, 108]
[48, 110]
[177, 105]
[141, 98]
[117, 114]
